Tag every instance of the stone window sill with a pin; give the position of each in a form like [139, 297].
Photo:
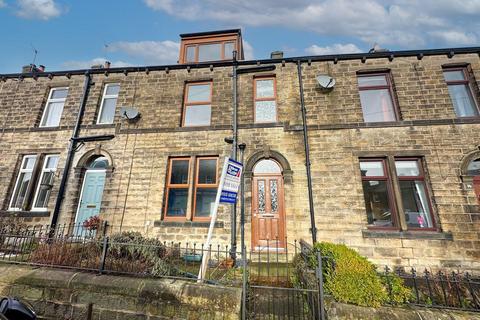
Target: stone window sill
[417, 235]
[187, 224]
[24, 214]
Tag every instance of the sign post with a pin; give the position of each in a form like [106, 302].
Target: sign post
[226, 193]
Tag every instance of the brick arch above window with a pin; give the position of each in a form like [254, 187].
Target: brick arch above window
[266, 153]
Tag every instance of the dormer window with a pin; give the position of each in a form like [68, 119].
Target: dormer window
[210, 46]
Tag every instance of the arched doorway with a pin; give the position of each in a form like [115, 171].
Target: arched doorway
[92, 188]
[268, 208]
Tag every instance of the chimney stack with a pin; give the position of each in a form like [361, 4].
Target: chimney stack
[28, 68]
[33, 68]
[107, 64]
[276, 55]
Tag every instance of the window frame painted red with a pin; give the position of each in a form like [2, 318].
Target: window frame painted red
[390, 192]
[467, 82]
[388, 86]
[391, 176]
[420, 177]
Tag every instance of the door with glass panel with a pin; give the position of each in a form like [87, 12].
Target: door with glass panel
[92, 193]
[268, 215]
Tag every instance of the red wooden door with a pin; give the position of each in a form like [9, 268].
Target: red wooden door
[268, 215]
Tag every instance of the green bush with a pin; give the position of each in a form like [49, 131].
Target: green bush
[349, 277]
[398, 293]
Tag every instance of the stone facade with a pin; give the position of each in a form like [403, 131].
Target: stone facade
[134, 194]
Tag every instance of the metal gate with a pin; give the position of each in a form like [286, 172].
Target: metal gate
[270, 293]
[282, 303]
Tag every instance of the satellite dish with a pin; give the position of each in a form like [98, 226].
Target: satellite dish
[325, 81]
[129, 113]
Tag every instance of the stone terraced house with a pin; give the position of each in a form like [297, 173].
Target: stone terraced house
[393, 142]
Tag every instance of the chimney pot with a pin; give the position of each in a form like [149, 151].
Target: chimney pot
[107, 64]
[276, 55]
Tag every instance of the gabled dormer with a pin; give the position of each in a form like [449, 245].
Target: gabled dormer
[210, 46]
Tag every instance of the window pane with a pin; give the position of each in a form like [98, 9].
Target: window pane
[98, 163]
[415, 204]
[274, 196]
[228, 50]
[372, 81]
[177, 202]
[474, 168]
[377, 204]
[267, 166]
[21, 190]
[265, 111]
[53, 113]
[209, 52]
[372, 168]
[59, 94]
[198, 93]
[264, 88]
[179, 173]
[112, 89]
[377, 105]
[454, 75]
[462, 100]
[191, 54]
[29, 163]
[205, 200]
[197, 115]
[44, 190]
[52, 162]
[261, 196]
[207, 171]
[407, 168]
[108, 110]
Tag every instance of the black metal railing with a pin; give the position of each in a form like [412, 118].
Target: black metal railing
[439, 289]
[103, 250]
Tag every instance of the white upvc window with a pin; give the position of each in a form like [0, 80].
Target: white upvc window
[54, 107]
[45, 183]
[23, 182]
[106, 113]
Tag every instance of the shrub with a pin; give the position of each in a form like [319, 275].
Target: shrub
[150, 252]
[59, 253]
[398, 293]
[127, 252]
[349, 277]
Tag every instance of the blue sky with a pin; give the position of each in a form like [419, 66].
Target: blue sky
[77, 34]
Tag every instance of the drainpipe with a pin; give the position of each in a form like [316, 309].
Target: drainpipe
[71, 152]
[233, 240]
[307, 153]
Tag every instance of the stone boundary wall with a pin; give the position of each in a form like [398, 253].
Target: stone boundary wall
[343, 311]
[65, 294]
